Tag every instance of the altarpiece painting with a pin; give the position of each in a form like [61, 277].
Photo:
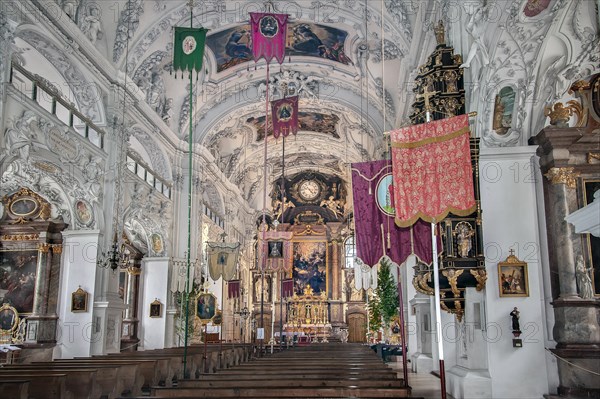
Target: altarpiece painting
[310, 267]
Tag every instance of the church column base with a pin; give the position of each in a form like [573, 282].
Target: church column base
[575, 380]
[421, 363]
[466, 383]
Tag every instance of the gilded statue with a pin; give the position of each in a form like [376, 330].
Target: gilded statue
[440, 33]
[464, 234]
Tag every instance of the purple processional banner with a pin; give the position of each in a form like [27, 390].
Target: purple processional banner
[376, 231]
[269, 33]
[285, 116]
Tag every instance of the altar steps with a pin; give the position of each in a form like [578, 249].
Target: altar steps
[324, 370]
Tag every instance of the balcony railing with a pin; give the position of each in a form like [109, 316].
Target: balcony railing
[49, 98]
[141, 170]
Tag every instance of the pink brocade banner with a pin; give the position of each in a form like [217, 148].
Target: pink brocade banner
[285, 116]
[269, 33]
[432, 171]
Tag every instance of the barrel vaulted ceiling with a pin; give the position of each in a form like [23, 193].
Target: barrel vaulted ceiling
[348, 96]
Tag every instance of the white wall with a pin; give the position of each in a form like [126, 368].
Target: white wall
[510, 221]
[154, 285]
[78, 269]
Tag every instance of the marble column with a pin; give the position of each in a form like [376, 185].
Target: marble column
[560, 192]
[41, 326]
[42, 280]
[129, 338]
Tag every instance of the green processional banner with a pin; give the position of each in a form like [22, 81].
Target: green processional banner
[188, 49]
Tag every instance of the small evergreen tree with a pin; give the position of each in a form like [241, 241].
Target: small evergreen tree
[387, 293]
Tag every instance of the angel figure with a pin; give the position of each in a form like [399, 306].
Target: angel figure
[476, 27]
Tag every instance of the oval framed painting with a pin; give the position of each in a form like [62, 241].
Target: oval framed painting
[24, 206]
[83, 212]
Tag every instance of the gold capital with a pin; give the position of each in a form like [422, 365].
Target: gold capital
[43, 247]
[57, 249]
[566, 176]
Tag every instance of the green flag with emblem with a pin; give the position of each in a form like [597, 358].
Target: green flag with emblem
[188, 49]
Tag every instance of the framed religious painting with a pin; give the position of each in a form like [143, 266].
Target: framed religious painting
[18, 271]
[79, 301]
[206, 307]
[155, 309]
[513, 280]
[84, 213]
[9, 319]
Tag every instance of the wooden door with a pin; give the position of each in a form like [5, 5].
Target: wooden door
[357, 327]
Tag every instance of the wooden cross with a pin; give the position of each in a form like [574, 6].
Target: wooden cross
[512, 252]
[426, 96]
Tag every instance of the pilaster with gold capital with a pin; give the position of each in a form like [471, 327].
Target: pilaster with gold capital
[566, 176]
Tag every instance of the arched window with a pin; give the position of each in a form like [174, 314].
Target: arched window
[349, 253]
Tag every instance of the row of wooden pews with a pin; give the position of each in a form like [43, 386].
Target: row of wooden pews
[331, 370]
[129, 374]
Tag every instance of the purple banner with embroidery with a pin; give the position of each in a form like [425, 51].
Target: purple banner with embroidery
[285, 116]
[376, 232]
[269, 33]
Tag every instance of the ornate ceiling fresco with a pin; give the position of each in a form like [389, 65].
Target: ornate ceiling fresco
[348, 97]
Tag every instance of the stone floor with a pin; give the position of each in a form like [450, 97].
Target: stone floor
[423, 385]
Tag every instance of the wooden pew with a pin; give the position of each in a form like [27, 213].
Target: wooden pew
[80, 382]
[42, 384]
[17, 389]
[115, 379]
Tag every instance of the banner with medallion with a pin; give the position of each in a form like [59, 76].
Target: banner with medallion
[275, 251]
[376, 233]
[269, 33]
[188, 49]
[285, 116]
[222, 259]
[432, 171]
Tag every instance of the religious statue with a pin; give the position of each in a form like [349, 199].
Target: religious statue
[476, 27]
[515, 321]
[440, 33]
[450, 78]
[584, 281]
[464, 234]
[70, 7]
[344, 335]
[167, 111]
[332, 205]
[91, 25]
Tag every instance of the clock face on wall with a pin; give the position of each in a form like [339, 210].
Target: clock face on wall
[309, 190]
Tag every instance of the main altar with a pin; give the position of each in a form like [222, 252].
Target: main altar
[307, 249]
[308, 316]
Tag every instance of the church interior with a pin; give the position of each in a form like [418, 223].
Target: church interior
[178, 217]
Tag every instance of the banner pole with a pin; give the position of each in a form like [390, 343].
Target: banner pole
[189, 221]
[438, 313]
[402, 330]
